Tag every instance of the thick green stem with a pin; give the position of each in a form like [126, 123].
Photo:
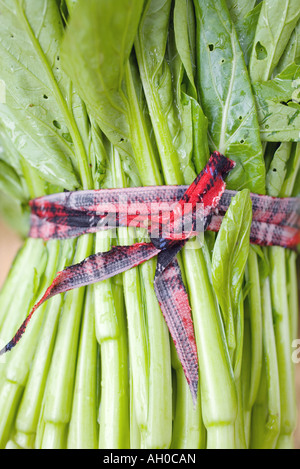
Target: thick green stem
[24, 440]
[60, 385]
[283, 342]
[13, 280]
[158, 433]
[168, 154]
[255, 316]
[54, 436]
[259, 414]
[20, 359]
[135, 434]
[266, 417]
[144, 153]
[218, 393]
[33, 262]
[137, 335]
[30, 407]
[221, 437]
[114, 407]
[273, 385]
[246, 377]
[83, 428]
[111, 332]
[12, 445]
[240, 434]
[292, 288]
[10, 395]
[188, 429]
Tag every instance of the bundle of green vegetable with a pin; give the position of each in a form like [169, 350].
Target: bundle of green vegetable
[123, 93]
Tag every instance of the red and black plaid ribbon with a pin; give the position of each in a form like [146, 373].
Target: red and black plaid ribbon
[276, 221]
[172, 215]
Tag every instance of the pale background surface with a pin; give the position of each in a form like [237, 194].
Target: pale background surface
[10, 243]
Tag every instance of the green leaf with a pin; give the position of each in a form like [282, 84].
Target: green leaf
[292, 51]
[31, 184]
[14, 214]
[95, 51]
[194, 121]
[284, 86]
[71, 4]
[296, 186]
[226, 96]
[289, 186]
[9, 152]
[246, 31]
[276, 23]
[62, 5]
[238, 9]
[185, 38]
[181, 104]
[97, 154]
[278, 106]
[143, 143]
[179, 124]
[155, 71]
[278, 168]
[200, 136]
[229, 258]
[263, 262]
[38, 110]
[10, 182]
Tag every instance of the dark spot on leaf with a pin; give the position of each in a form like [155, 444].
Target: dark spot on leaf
[211, 47]
[45, 96]
[56, 124]
[57, 57]
[67, 137]
[222, 61]
[274, 169]
[240, 118]
[261, 51]
[242, 141]
[121, 140]
[286, 103]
